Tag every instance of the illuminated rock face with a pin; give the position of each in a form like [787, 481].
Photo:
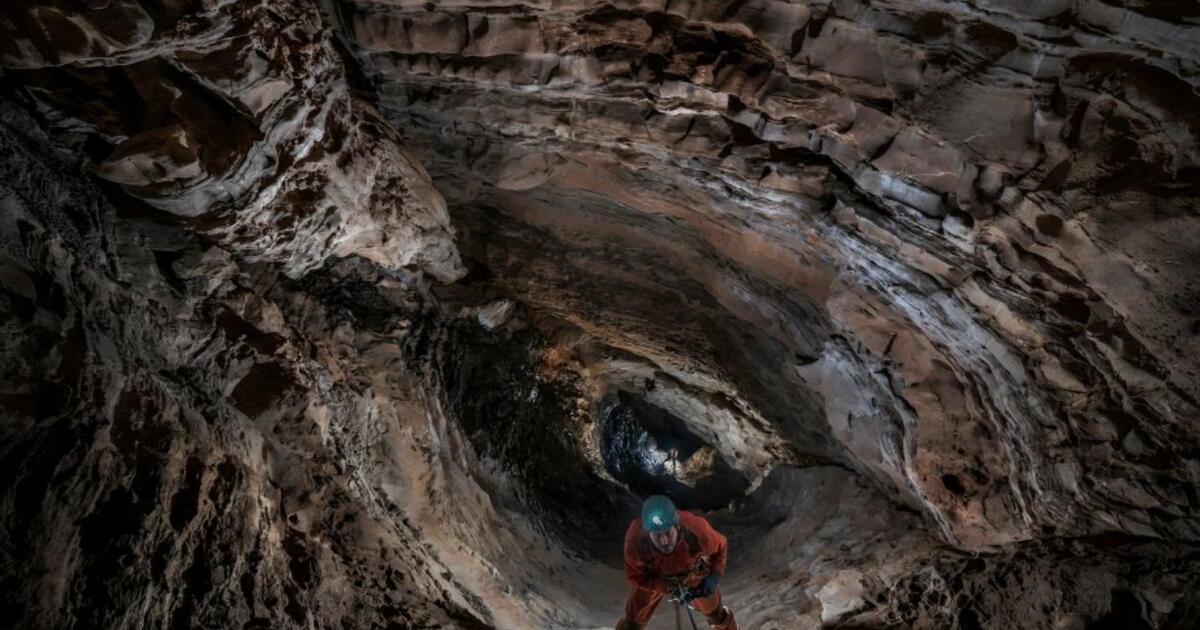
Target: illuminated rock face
[237, 116]
[315, 313]
[178, 450]
[949, 246]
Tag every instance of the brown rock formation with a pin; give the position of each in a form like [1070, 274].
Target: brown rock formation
[236, 115]
[917, 277]
[912, 212]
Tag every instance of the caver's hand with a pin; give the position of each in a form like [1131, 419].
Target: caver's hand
[708, 586]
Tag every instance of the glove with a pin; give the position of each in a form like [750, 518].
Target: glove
[707, 587]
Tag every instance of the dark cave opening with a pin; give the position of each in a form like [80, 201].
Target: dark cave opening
[526, 423]
[652, 451]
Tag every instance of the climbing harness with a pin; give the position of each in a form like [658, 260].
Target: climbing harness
[677, 595]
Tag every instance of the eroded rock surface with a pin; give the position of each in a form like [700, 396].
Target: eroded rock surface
[900, 234]
[314, 310]
[237, 115]
[180, 450]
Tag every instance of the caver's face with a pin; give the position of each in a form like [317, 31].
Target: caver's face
[665, 541]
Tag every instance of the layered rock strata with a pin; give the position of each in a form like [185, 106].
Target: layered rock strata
[184, 441]
[237, 116]
[917, 273]
[945, 244]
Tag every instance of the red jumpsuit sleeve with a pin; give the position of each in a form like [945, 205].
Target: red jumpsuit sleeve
[635, 570]
[712, 543]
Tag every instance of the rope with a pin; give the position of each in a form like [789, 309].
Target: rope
[678, 621]
[677, 597]
[693, 619]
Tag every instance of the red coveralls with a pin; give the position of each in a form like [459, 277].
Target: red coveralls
[701, 550]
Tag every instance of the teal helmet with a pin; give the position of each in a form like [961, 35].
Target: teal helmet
[658, 514]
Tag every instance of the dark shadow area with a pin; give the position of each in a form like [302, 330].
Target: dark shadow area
[510, 413]
[1126, 614]
[651, 451]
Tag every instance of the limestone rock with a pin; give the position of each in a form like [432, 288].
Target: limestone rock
[314, 312]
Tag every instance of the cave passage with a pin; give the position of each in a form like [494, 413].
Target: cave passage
[652, 451]
[387, 314]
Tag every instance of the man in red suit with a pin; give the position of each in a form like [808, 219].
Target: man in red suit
[673, 552]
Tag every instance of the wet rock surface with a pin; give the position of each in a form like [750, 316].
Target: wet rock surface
[316, 312]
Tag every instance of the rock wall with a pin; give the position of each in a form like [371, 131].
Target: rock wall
[236, 115]
[185, 434]
[178, 452]
[312, 311]
[948, 244]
